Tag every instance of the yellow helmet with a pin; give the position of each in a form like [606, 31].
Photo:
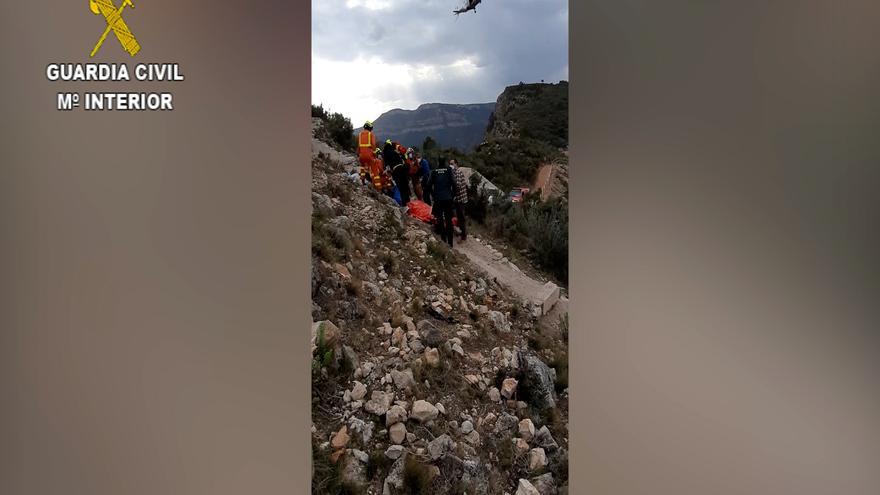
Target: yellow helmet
[368, 125]
[388, 141]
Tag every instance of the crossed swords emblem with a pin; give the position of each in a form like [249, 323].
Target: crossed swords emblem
[115, 23]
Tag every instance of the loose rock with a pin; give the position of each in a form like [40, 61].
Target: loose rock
[526, 429]
[359, 391]
[537, 459]
[423, 411]
[508, 387]
[499, 321]
[394, 452]
[544, 439]
[341, 438]
[494, 395]
[541, 379]
[526, 488]
[397, 433]
[440, 446]
[396, 414]
[379, 402]
[403, 379]
[472, 438]
[545, 484]
[432, 357]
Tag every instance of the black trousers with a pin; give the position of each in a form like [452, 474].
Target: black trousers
[401, 178]
[444, 207]
[426, 192]
[459, 212]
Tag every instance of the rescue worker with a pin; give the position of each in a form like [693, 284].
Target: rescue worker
[366, 145]
[461, 197]
[443, 191]
[389, 154]
[377, 171]
[399, 172]
[414, 173]
[424, 174]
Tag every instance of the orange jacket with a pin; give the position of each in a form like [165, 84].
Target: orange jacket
[366, 144]
[377, 172]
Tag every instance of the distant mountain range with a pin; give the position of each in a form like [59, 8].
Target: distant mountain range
[451, 126]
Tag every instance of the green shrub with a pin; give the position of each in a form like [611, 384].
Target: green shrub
[541, 228]
[439, 251]
[543, 115]
[319, 112]
[337, 127]
[330, 243]
[323, 353]
[560, 364]
[340, 190]
[478, 200]
[390, 228]
[538, 341]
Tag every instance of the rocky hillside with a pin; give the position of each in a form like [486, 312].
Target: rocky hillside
[451, 126]
[427, 375]
[532, 111]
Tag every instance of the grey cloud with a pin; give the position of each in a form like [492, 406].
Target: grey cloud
[510, 40]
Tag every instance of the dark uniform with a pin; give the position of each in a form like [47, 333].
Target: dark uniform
[443, 190]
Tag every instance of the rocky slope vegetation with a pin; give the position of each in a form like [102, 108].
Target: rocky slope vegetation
[451, 126]
[536, 111]
[427, 375]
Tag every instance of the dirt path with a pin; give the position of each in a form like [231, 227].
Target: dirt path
[496, 266]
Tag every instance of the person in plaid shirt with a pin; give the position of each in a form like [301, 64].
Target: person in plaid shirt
[461, 196]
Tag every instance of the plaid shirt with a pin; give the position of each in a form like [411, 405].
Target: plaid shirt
[461, 189]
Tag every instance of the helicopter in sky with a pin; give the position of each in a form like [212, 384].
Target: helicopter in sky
[469, 5]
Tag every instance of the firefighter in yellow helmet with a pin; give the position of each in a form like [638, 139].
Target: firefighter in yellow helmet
[366, 145]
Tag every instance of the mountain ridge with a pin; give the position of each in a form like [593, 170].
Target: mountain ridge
[451, 125]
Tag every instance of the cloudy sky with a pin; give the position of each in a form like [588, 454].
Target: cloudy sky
[369, 56]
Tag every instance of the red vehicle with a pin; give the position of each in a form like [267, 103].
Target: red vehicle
[517, 194]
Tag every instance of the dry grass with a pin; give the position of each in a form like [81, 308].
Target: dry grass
[416, 476]
[340, 189]
[377, 464]
[388, 262]
[355, 287]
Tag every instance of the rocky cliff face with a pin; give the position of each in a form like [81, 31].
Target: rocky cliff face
[531, 111]
[428, 376]
[459, 126]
